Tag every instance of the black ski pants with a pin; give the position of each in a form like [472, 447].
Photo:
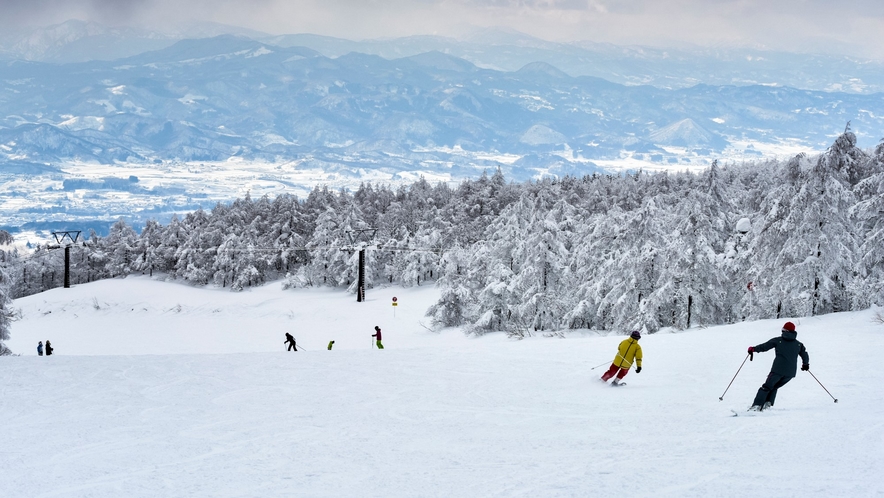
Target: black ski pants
[768, 391]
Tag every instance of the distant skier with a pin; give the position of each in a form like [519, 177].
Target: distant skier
[40, 348]
[330, 344]
[377, 334]
[627, 351]
[49, 348]
[291, 342]
[784, 366]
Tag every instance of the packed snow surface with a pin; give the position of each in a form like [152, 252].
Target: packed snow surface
[161, 389]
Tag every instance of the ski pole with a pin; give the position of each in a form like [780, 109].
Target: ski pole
[721, 398]
[605, 363]
[821, 385]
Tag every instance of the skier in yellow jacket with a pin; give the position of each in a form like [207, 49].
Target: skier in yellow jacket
[628, 351]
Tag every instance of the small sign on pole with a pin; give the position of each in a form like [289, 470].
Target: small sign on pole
[395, 303]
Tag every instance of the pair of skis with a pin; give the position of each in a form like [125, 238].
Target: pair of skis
[747, 413]
[614, 384]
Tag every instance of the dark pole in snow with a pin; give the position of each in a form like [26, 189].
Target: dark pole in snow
[721, 398]
[360, 286]
[821, 385]
[67, 267]
[67, 239]
[361, 238]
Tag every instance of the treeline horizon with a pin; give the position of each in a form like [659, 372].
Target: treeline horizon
[799, 237]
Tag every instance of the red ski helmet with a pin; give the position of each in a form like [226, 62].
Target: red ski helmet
[789, 326]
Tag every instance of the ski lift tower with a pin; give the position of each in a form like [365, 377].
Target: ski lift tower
[360, 239]
[66, 240]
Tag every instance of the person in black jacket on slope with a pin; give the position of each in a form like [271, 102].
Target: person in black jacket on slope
[784, 366]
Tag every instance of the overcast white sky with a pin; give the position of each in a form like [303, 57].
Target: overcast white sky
[852, 27]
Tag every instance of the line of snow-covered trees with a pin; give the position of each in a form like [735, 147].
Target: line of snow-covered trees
[612, 252]
[249, 242]
[799, 238]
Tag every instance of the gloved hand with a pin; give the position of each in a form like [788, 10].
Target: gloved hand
[638, 370]
[751, 349]
[805, 367]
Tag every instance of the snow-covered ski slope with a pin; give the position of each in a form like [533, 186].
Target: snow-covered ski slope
[161, 389]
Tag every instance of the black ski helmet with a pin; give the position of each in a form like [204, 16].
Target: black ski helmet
[635, 335]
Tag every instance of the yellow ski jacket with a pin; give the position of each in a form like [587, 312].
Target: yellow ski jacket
[628, 351]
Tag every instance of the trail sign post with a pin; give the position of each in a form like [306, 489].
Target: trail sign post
[395, 303]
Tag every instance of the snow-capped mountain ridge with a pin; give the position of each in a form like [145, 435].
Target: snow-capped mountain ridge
[686, 133]
[203, 99]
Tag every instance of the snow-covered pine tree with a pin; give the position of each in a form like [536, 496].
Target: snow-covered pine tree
[225, 261]
[869, 214]
[804, 248]
[121, 246]
[453, 307]
[173, 236]
[830, 228]
[545, 262]
[193, 258]
[692, 282]
[97, 257]
[146, 248]
[329, 263]
[629, 248]
[7, 256]
[283, 236]
[492, 269]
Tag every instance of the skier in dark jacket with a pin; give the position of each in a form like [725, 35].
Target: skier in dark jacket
[40, 348]
[290, 341]
[784, 366]
[48, 348]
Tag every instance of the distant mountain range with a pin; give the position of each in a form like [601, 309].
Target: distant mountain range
[81, 41]
[78, 41]
[214, 98]
[82, 93]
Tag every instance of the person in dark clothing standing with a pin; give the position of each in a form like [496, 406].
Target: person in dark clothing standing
[290, 341]
[40, 348]
[377, 335]
[48, 348]
[784, 366]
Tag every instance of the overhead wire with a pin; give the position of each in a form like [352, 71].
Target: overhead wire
[47, 252]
